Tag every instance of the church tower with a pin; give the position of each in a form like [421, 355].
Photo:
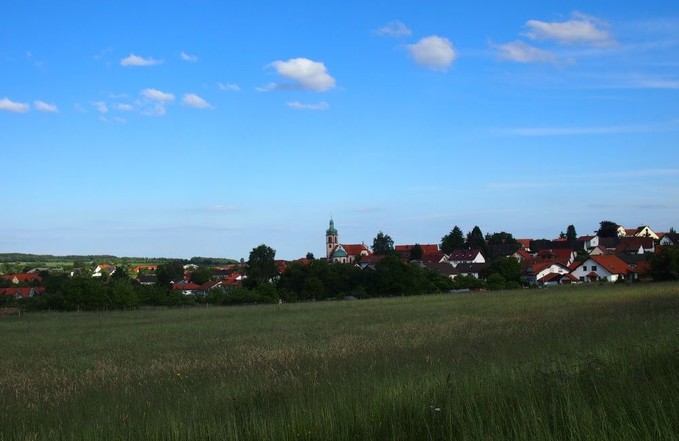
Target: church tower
[331, 239]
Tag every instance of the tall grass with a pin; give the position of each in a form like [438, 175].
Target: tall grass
[576, 364]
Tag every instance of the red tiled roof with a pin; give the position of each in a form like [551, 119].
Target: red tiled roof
[612, 264]
[525, 243]
[185, 286]
[355, 249]
[22, 277]
[433, 257]
[426, 248]
[20, 292]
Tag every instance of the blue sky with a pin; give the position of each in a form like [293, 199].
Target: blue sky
[206, 128]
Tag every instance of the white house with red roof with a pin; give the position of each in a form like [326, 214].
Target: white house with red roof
[601, 267]
[466, 256]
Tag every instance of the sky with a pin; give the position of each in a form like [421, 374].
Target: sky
[205, 128]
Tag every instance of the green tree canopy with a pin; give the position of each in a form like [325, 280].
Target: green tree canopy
[415, 252]
[607, 229]
[169, 272]
[452, 241]
[476, 240]
[261, 266]
[571, 235]
[383, 244]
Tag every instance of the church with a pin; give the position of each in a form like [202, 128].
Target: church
[336, 252]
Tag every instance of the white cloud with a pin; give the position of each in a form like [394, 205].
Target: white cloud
[433, 52]
[124, 107]
[581, 29]
[193, 100]
[136, 60]
[188, 57]
[309, 106]
[45, 107]
[229, 87]
[12, 106]
[523, 53]
[595, 130]
[394, 28]
[100, 106]
[305, 74]
[157, 95]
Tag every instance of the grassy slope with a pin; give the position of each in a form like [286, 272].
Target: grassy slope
[560, 364]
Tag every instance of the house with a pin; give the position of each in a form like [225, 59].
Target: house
[608, 267]
[535, 272]
[563, 256]
[187, 288]
[642, 231]
[147, 280]
[635, 245]
[668, 239]
[444, 268]
[524, 243]
[588, 242]
[435, 257]
[102, 269]
[522, 255]
[22, 278]
[404, 250]
[466, 256]
[21, 293]
[555, 279]
[471, 269]
[599, 251]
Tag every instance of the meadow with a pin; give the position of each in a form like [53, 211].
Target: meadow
[584, 363]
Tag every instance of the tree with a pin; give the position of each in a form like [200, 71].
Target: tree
[415, 252]
[202, 275]
[607, 229]
[500, 238]
[261, 266]
[310, 256]
[169, 272]
[475, 240]
[383, 244]
[664, 265]
[571, 235]
[452, 241]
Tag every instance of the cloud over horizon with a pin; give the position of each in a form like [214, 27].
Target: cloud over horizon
[45, 107]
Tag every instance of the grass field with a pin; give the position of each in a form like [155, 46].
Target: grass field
[565, 364]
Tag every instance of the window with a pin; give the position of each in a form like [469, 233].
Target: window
[582, 279]
[593, 267]
[584, 267]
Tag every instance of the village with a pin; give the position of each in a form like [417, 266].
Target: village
[619, 254]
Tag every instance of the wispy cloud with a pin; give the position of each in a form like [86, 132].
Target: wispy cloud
[433, 52]
[521, 52]
[154, 102]
[188, 57]
[193, 100]
[45, 107]
[13, 106]
[308, 106]
[580, 29]
[303, 73]
[100, 106]
[136, 60]
[123, 107]
[157, 95]
[229, 87]
[394, 28]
